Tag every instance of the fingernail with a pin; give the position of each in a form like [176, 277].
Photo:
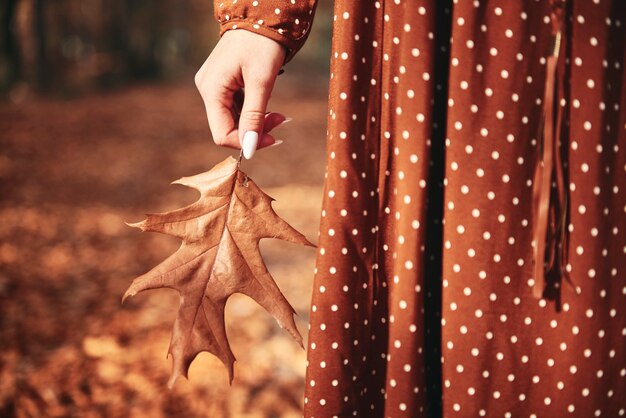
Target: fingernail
[250, 141]
[287, 120]
[278, 142]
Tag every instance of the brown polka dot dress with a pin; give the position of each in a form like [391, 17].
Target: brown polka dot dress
[473, 232]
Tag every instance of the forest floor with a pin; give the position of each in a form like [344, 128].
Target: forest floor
[71, 173]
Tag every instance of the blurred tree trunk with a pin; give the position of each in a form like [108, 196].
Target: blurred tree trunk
[10, 49]
[42, 75]
[145, 23]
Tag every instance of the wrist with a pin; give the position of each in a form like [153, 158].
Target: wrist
[253, 32]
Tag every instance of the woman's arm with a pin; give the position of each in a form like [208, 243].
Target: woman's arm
[257, 37]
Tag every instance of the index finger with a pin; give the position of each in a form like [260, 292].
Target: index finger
[221, 116]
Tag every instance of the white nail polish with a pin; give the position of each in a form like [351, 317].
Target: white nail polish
[250, 141]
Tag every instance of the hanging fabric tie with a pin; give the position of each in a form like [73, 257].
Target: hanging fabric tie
[550, 230]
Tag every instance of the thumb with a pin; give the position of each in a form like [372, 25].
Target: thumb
[252, 117]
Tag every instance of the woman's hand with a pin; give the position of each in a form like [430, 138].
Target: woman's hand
[241, 59]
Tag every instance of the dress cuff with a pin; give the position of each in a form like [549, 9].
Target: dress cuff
[288, 24]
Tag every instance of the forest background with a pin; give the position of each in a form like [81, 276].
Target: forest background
[98, 114]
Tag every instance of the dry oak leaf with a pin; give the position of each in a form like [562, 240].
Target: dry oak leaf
[219, 256]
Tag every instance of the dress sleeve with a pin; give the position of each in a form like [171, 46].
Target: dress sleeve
[288, 22]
